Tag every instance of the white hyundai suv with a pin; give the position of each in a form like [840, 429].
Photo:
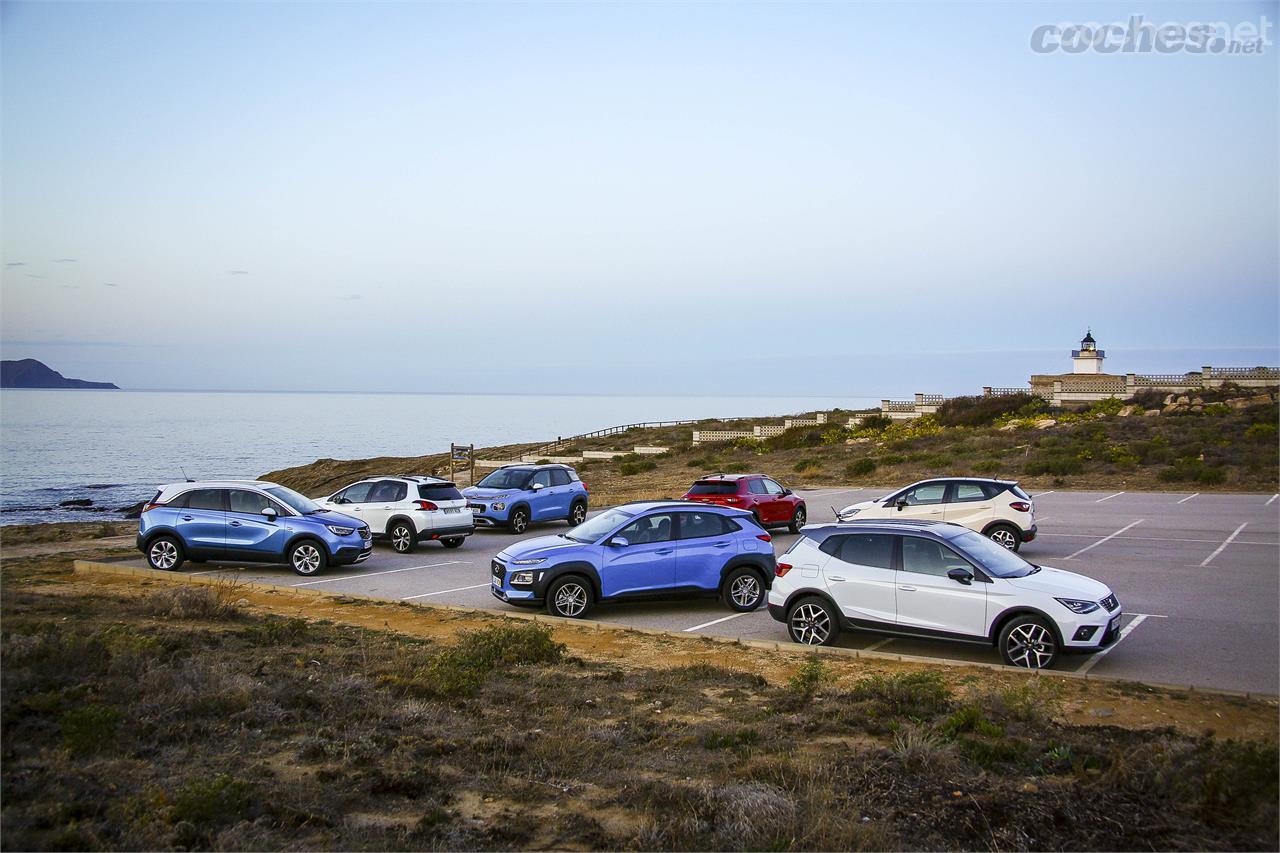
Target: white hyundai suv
[995, 508]
[407, 510]
[940, 581]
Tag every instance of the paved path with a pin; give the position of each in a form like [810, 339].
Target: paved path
[1198, 574]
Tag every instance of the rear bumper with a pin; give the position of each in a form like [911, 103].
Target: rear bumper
[1028, 535]
[778, 612]
[446, 532]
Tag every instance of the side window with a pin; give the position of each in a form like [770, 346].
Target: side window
[756, 487]
[968, 492]
[388, 491]
[573, 475]
[698, 525]
[251, 502]
[357, 494]
[929, 493]
[862, 549]
[205, 499]
[771, 487]
[542, 477]
[926, 557]
[651, 528]
[559, 477]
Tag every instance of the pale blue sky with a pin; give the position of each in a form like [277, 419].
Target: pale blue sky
[687, 198]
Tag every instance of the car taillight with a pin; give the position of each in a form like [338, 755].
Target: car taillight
[585, 487]
[764, 537]
[426, 505]
[732, 500]
[1020, 506]
[152, 506]
[781, 569]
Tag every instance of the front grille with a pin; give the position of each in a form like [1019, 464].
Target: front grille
[1110, 602]
[365, 534]
[499, 571]
[476, 507]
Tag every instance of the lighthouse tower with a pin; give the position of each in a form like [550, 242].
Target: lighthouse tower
[1087, 359]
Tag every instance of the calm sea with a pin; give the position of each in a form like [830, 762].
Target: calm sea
[114, 447]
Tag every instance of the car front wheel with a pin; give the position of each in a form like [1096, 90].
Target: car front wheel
[570, 597]
[578, 513]
[308, 558]
[165, 554]
[743, 590]
[813, 622]
[519, 522]
[1028, 642]
[798, 520]
[1006, 536]
[403, 537]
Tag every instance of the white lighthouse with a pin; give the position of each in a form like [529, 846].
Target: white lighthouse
[1087, 359]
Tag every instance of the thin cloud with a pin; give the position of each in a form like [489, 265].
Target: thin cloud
[16, 264]
[69, 286]
[237, 272]
[33, 275]
[109, 284]
[64, 260]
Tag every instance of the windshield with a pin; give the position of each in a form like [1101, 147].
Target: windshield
[300, 503]
[715, 487]
[593, 529]
[995, 559]
[506, 478]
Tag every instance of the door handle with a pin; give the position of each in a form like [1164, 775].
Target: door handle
[235, 524]
[723, 544]
[186, 518]
[665, 551]
[907, 588]
[835, 578]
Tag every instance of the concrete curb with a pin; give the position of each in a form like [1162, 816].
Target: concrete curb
[90, 567]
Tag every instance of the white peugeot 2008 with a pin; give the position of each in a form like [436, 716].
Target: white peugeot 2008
[941, 581]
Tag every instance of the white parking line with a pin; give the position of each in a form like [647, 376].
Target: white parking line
[1224, 545]
[1108, 497]
[716, 621]
[1042, 494]
[1151, 538]
[443, 591]
[1188, 497]
[1271, 500]
[375, 574]
[1124, 632]
[1105, 539]
[874, 646]
[830, 492]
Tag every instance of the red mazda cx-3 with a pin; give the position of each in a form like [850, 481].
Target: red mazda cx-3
[771, 504]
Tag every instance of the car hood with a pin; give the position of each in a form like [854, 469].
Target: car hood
[861, 505]
[486, 494]
[541, 547]
[1059, 583]
[328, 516]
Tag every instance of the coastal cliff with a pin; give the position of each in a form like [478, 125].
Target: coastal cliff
[29, 373]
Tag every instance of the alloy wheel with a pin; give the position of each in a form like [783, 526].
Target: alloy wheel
[519, 521]
[306, 559]
[579, 514]
[400, 538]
[800, 518]
[1031, 646]
[1005, 537]
[164, 554]
[810, 625]
[745, 591]
[571, 599]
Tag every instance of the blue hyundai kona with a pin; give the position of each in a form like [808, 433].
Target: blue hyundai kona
[247, 520]
[640, 550]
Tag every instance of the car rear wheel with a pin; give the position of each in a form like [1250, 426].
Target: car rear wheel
[165, 554]
[798, 520]
[452, 542]
[577, 513]
[813, 622]
[403, 537]
[519, 521]
[570, 597]
[1028, 642]
[308, 558]
[742, 590]
[1005, 535]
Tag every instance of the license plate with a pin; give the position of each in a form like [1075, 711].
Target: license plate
[452, 509]
[1115, 624]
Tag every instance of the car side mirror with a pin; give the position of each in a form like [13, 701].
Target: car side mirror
[786, 492]
[901, 504]
[959, 575]
[537, 486]
[619, 542]
[269, 513]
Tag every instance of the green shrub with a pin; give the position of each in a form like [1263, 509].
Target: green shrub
[737, 468]
[917, 695]
[1108, 406]
[276, 631]
[987, 466]
[1217, 409]
[970, 718]
[1122, 456]
[807, 463]
[983, 411]
[1192, 471]
[811, 675]
[860, 467]
[874, 423]
[741, 738]
[89, 728]
[1056, 463]
[835, 436]
[755, 445]
[209, 802]
[462, 668]
[892, 459]
[628, 469]
[1261, 431]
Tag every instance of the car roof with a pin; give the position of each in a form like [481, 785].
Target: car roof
[637, 507]
[963, 480]
[730, 477]
[530, 466]
[938, 529]
[217, 484]
[411, 478]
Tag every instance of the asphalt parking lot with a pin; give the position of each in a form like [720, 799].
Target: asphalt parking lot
[1198, 576]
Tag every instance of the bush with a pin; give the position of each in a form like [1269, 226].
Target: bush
[755, 445]
[916, 695]
[1059, 464]
[860, 467]
[835, 436]
[461, 669]
[89, 728]
[987, 466]
[1261, 432]
[628, 469]
[811, 675]
[984, 411]
[1192, 471]
[277, 631]
[219, 800]
[193, 602]
[875, 423]
[807, 463]
[892, 459]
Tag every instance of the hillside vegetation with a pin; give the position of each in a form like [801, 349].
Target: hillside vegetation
[167, 716]
[1221, 440]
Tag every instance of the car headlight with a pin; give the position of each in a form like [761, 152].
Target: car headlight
[499, 507]
[1077, 606]
[340, 531]
[530, 562]
[846, 513]
[522, 578]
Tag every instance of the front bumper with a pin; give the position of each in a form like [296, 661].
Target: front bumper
[1091, 632]
[484, 515]
[351, 554]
